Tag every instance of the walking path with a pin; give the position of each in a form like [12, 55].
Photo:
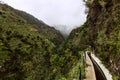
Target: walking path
[90, 72]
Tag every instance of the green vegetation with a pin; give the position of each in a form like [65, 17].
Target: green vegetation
[23, 52]
[73, 50]
[48, 32]
[115, 78]
[104, 33]
[87, 2]
[31, 50]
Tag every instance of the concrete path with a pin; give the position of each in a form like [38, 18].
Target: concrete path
[90, 72]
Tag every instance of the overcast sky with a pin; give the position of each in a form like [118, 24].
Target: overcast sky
[54, 12]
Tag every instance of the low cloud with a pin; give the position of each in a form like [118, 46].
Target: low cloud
[54, 12]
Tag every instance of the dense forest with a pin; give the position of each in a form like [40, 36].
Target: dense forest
[32, 50]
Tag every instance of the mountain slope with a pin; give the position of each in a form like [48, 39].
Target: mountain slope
[103, 33]
[26, 53]
[29, 49]
[49, 32]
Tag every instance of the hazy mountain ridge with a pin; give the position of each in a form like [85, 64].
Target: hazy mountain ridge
[46, 30]
[49, 32]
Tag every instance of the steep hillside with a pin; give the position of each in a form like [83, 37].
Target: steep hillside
[79, 38]
[29, 49]
[49, 32]
[72, 53]
[26, 53]
[104, 32]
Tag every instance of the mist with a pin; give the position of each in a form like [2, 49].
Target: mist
[64, 15]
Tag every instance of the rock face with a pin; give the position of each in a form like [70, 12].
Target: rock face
[101, 33]
[104, 32]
